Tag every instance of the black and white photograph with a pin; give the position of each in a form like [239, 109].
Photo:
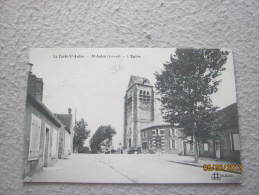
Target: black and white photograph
[131, 115]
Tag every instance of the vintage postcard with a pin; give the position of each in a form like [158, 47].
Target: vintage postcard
[131, 115]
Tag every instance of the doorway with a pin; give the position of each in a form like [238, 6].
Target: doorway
[217, 149]
[46, 148]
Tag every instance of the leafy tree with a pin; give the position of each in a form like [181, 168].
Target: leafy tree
[80, 135]
[185, 86]
[101, 134]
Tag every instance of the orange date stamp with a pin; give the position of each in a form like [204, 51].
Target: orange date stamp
[223, 167]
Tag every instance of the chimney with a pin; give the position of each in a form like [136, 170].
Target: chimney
[69, 110]
[35, 86]
[30, 65]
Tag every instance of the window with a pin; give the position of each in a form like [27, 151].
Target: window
[172, 144]
[235, 142]
[34, 147]
[145, 134]
[206, 147]
[171, 132]
[154, 132]
[161, 131]
[54, 143]
[144, 97]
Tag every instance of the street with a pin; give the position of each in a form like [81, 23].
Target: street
[127, 168]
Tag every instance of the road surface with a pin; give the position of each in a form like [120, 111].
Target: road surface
[126, 168]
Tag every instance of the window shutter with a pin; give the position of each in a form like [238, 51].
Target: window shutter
[236, 141]
[34, 148]
[54, 142]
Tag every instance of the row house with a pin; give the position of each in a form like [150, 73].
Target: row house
[66, 134]
[43, 131]
[227, 146]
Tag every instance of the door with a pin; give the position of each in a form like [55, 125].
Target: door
[129, 143]
[217, 149]
[46, 148]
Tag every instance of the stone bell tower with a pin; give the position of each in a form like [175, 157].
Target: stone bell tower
[138, 110]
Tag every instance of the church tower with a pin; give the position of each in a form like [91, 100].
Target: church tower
[138, 110]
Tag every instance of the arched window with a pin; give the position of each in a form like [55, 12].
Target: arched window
[140, 93]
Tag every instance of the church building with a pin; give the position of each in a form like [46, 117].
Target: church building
[144, 128]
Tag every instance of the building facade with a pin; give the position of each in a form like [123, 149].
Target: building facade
[43, 131]
[227, 146]
[161, 139]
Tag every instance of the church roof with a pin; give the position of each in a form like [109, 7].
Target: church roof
[138, 80]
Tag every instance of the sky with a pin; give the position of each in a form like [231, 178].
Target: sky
[93, 81]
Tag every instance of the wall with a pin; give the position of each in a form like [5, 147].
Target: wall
[37, 165]
[121, 23]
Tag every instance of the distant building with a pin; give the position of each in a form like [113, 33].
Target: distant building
[66, 134]
[106, 146]
[161, 139]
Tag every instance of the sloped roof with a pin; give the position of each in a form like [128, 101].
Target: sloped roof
[65, 119]
[138, 80]
[228, 116]
[43, 109]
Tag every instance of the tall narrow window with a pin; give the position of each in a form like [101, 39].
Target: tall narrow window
[34, 147]
[154, 132]
[172, 144]
[54, 143]
[172, 132]
[206, 147]
[235, 142]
